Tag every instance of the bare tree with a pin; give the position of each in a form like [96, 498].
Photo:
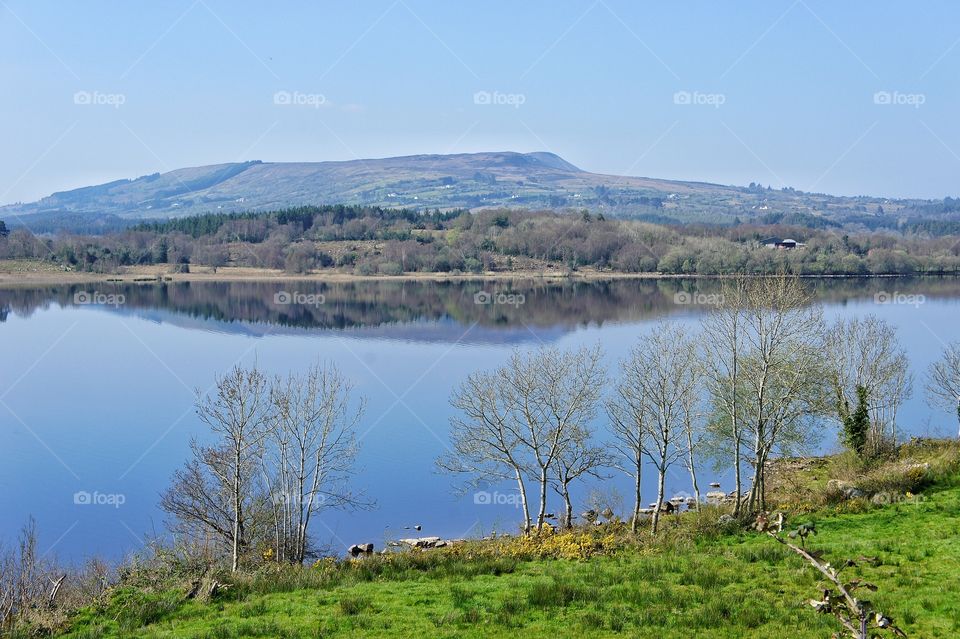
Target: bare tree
[943, 379]
[200, 502]
[657, 379]
[518, 419]
[723, 345]
[485, 442]
[866, 353]
[579, 458]
[693, 435]
[237, 413]
[556, 394]
[312, 448]
[781, 385]
[28, 581]
[627, 412]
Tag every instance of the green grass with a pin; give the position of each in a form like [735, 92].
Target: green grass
[740, 585]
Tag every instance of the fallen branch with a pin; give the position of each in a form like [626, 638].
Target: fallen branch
[854, 614]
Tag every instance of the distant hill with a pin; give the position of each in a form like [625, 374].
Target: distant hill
[473, 181]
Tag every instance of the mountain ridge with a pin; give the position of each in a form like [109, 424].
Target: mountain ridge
[536, 180]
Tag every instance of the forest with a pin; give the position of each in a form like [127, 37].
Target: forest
[377, 241]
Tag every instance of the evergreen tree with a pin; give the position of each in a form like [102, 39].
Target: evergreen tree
[856, 425]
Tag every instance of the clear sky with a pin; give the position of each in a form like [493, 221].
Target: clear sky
[839, 97]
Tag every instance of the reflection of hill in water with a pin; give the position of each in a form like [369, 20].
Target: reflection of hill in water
[423, 310]
[445, 330]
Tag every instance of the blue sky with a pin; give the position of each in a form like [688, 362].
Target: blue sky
[839, 97]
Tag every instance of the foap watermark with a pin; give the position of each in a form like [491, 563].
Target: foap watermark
[295, 298]
[281, 498]
[96, 298]
[698, 98]
[904, 299]
[96, 498]
[496, 498]
[684, 298]
[296, 98]
[888, 499]
[497, 98]
[896, 98]
[500, 299]
[99, 98]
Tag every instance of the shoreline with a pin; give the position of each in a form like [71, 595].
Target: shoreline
[153, 274]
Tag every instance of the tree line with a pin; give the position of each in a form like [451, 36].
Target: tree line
[764, 371]
[372, 240]
[758, 379]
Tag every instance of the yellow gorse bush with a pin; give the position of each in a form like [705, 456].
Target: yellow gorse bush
[569, 544]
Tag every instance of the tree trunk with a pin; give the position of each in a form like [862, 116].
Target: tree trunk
[568, 507]
[656, 511]
[523, 501]
[237, 505]
[737, 436]
[762, 490]
[693, 470]
[543, 499]
[757, 470]
[634, 524]
[738, 480]
[696, 488]
[755, 487]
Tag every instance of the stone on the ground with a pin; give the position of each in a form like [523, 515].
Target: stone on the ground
[358, 550]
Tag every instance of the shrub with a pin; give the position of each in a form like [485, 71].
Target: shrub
[895, 478]
[391, 268]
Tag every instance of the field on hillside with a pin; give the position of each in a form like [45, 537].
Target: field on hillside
[727, 583]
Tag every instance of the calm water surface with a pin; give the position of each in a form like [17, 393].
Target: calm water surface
[97, 397]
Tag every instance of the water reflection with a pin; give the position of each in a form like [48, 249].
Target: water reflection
[424, 310]
[100, 397]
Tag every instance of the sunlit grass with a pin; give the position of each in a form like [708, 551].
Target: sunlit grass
[737, 585]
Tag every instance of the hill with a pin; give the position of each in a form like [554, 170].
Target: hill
[471, 181]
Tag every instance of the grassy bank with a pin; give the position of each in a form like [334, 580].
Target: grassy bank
[698, 579]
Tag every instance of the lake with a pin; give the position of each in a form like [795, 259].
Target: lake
[97, 384]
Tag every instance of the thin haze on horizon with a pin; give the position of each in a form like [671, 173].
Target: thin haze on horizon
[843, 98]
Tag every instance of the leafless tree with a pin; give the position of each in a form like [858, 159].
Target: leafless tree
[485, 440]
[28, 580]
[782, 375]
[692, 416]
[943, 379]
[200, 502]
[656, 381]
[579, 457]
[517, 420]
[237, 413]
[627, 411]
[723, 345]
[555, 394]
[311, 452]
[866, 353]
